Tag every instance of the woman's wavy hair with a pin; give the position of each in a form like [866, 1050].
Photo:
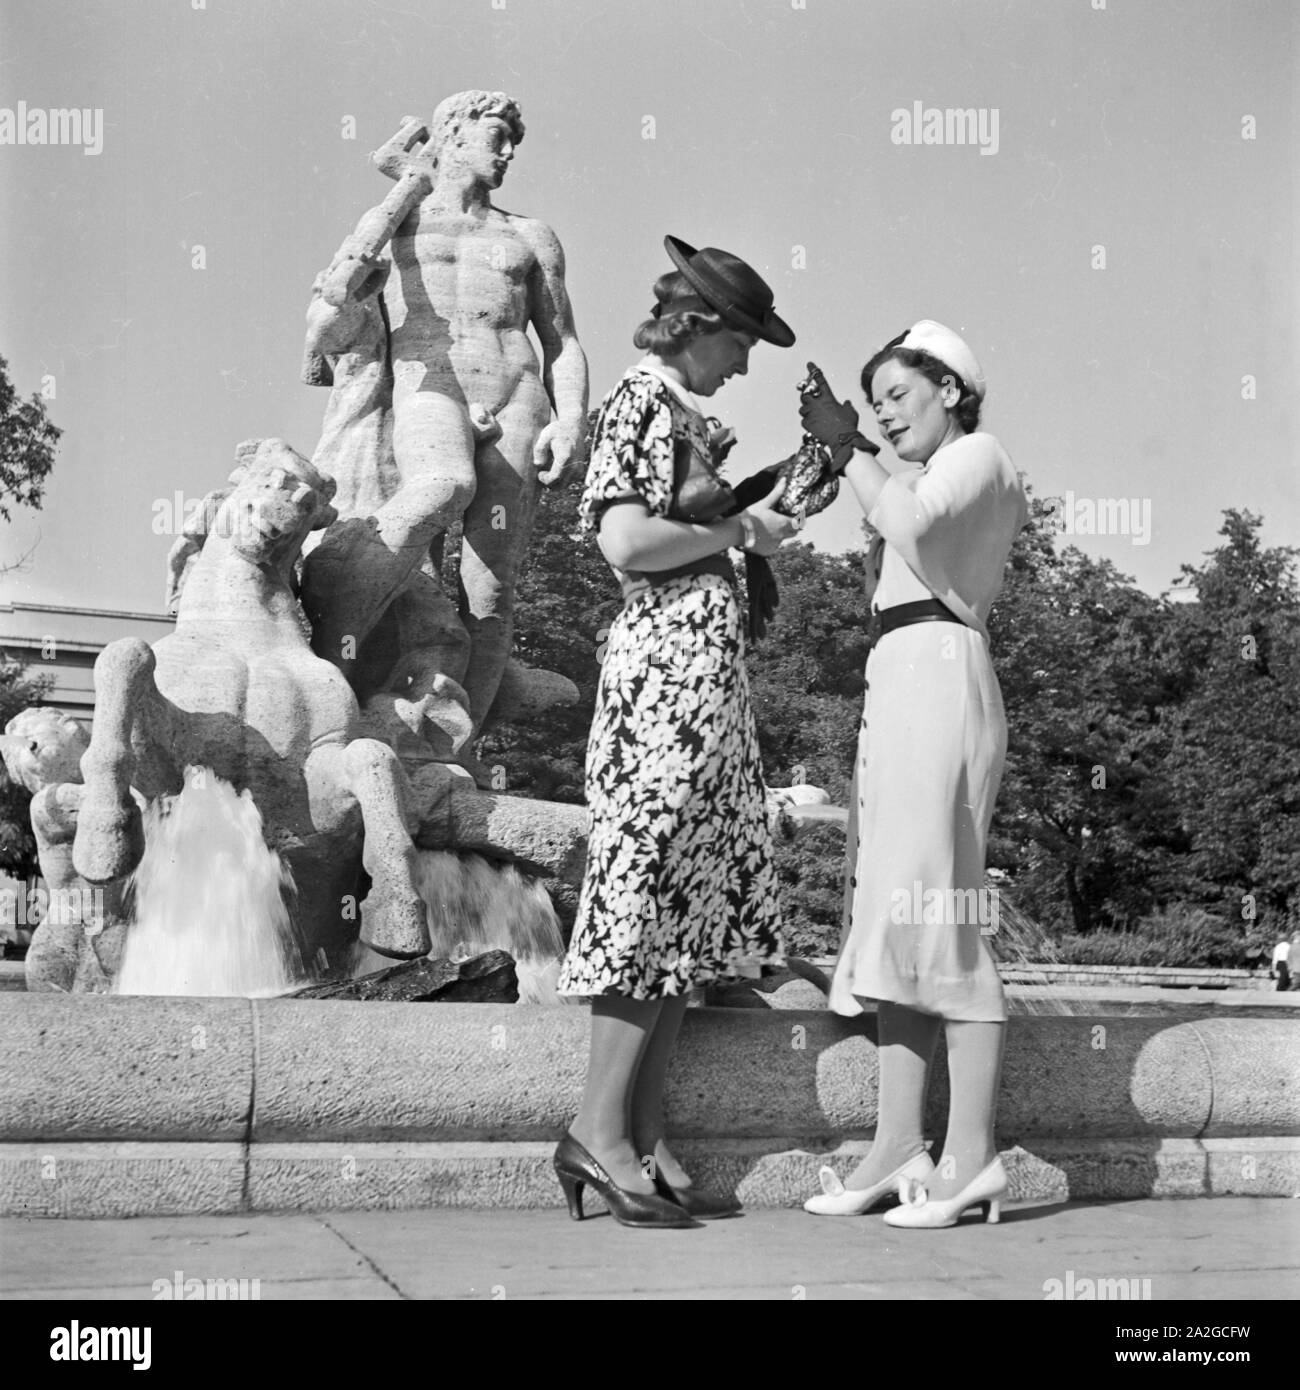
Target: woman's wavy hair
[669, 330]
[967, 409]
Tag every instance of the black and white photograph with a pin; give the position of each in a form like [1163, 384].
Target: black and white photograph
[650, 651]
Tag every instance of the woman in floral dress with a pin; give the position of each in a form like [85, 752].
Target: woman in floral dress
[680, 886]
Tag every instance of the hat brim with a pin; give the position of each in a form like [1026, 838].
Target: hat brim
[775, 330]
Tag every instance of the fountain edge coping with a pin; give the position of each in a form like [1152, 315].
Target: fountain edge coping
[109, 1069]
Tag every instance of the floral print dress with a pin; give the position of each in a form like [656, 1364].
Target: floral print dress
[680, 886]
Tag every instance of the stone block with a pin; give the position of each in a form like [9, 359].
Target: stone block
[125, 1068]
[1255, 1065]
[121, 1179]
[360, 1072]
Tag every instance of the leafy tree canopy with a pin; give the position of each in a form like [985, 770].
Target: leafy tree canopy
[27, 444]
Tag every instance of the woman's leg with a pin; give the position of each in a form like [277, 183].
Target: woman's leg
[974, 1067]
[648, 1094]
[620, 1030]
[906, 1044]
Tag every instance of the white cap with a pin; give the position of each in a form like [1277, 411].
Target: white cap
[951, 349]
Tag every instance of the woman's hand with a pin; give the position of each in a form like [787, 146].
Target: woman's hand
[771, 527]
[831, 422]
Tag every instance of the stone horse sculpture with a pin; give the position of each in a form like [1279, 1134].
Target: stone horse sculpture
[237, 688]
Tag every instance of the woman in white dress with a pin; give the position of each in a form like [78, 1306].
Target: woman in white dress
[930, 755]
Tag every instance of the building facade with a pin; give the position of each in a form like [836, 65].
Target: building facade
[62, 643]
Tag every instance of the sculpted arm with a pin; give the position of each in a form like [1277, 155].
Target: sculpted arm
[564, 364]
[354, 323]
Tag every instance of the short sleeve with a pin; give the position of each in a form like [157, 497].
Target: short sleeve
[631, 451]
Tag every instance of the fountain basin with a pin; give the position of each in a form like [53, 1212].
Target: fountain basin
[112, 1106]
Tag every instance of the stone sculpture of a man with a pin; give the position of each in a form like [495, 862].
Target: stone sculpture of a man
[471, 407]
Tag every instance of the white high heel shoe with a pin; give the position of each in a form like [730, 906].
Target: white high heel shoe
[986, 1189]
[837, 1200]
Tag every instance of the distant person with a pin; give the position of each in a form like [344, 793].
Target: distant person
[930, 757]
[680, 884]
[1281, 967]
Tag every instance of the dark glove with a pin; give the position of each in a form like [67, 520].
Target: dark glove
[754, 488]
[832, 422]
[763, 597]
[760, 582]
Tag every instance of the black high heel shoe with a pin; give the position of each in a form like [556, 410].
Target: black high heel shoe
[701, 1205]
[576, 1169]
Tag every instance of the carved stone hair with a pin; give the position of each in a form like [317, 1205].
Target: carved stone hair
[473, 105]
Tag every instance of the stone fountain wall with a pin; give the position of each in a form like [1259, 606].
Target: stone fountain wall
[239, 1105]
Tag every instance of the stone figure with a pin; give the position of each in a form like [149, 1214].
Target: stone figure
[236, 688]
[440, 412]
[77, 944]
[41, 746]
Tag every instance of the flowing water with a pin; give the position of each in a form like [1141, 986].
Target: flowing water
[1018, 941]
[1022, 942]
[211, 900]
[473, 906]
[212, 912]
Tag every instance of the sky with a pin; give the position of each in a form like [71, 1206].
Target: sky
[1121, 259]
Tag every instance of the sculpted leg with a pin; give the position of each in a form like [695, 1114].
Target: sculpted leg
[422, 711]
[368, 773]
[110, 834]
[55, 946]
[431, 632]
[498, 524]
[364, 562]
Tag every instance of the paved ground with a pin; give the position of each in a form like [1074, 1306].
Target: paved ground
[1202, 1248]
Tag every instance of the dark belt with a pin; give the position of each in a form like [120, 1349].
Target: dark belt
[925, 610]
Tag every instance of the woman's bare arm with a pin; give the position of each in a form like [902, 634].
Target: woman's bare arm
[632, 539]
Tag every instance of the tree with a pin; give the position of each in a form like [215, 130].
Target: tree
[27, 444]
[565, 600]
[18, 690]
[1235, 762]
[1153, 771]
[806, 687]
[1085, 821]
[806, 675]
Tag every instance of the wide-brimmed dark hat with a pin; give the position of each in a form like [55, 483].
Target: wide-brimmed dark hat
[736, 291]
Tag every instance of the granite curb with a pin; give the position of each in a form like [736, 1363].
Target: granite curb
[115, 1106]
